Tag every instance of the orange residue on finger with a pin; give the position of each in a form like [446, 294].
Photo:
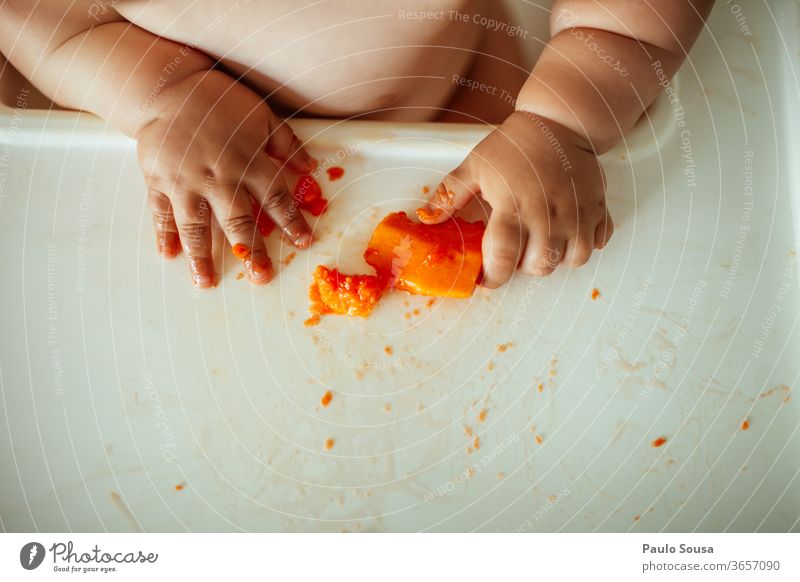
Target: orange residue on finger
[595, 293]
[503, 347]
[745, 424]
[335, 173]
[326, 398]
[444, 195]
[179, 487]
[539, 440]
[329, 444]
[241, 251]
[659, 441]
[429, 214]
[286, 261]
[388, 350]
[239, 276]
[482, 415]
[308, 195]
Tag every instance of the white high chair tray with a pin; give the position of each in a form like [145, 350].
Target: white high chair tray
[119, 383]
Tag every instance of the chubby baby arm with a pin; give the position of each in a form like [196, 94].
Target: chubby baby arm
[206, 143]
[539, 170]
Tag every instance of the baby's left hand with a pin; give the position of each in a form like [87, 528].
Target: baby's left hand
[546, 191]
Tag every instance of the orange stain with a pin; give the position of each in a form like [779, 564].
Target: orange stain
[745, 424]
[482, 415]
[179, 487]
[388, 350]
[329, 444]
[477, 443]
[595, 293]
[239, 276]
[335, 173]
[326, 398]
[287, 260]
[503, 347]
[539, 440]
[659, 441]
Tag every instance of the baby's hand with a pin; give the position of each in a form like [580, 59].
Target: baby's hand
[209, 150]
[547, 195]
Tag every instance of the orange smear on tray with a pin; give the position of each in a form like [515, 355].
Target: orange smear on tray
[388, 350]
[595, 294]
[482, 415]
[333, 292]
[659, 441]
[286, 261]
[745, 424]
[308, 195]
[179, 487]
[335, 173]
[441, 260]
[326, 398]
[329, 444]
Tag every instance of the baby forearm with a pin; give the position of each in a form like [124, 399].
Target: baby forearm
[596, 79]
[118, 72]
[108, 67]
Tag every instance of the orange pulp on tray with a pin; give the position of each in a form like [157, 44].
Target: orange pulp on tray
[333, 292]
[441, 260]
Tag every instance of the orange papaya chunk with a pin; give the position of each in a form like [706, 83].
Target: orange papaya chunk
[440, 260]
[334, 292]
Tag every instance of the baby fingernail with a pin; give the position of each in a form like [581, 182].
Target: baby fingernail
[303, 241]
[202, 272]
[260, 269]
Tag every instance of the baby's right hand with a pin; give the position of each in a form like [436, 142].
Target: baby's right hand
[210, 148]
